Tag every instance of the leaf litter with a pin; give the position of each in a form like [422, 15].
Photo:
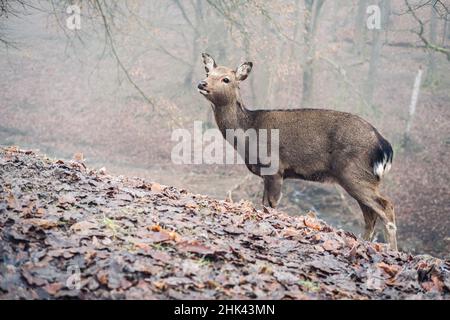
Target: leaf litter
[70, 232]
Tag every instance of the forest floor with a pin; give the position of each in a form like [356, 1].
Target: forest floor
[67, 231]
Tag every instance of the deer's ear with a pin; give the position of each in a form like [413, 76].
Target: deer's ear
[209, 63]
[243, 71]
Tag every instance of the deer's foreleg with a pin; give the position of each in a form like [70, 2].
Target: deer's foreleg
[272, 190]
[370, 219]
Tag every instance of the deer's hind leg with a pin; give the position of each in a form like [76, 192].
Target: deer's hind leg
[384, 210]
[365, 191]
[390, 228]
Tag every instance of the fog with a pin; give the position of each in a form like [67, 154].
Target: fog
[117, 87]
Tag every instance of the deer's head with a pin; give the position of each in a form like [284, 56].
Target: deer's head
[221, 85]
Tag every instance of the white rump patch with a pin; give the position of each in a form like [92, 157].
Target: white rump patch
[381, 168]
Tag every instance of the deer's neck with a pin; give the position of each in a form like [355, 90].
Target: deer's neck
[232, 116]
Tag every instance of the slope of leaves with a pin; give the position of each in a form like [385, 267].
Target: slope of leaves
[70, 232]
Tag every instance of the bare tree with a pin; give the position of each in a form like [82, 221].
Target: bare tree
[432, 36]
[311, 17]
[429, 44]
[360, 27]
[374, 57]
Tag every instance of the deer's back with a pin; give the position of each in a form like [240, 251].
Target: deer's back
[314, 142]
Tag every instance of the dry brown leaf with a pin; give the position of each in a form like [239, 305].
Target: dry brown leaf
[11, 200]
[191, 205]
[161, 285]
[156, 187]
[53, 288]
[290, 232]
[155, 227]
[160, 255]
[378, 247]
[83, 226]
[391, 270]
[15, 149]
[211, 284]
[171, 235]
[67, 198]
[331, 245]
[102, 277]
[312, 223]
[42, 223]
[438, 284]
[157, 236]
[78, 157]
[143, 246]
[174, 236]
[311, 214]
[196, 247]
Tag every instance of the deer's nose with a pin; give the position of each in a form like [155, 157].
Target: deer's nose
[202, 85]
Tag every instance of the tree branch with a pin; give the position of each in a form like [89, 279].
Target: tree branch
[420, 33]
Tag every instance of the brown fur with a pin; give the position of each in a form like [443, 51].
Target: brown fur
[315, 144]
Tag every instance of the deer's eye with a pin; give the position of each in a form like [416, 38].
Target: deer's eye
[226, 80]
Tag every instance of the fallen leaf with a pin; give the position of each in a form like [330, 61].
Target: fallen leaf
[83, 226]
[42, 223]
[312, 223]
[391, 270]
[11, 201]
[124, 197]
[78, 157]
[156, 237]
[160, 255]
[67, 198]
[161, 285]
[156, 187]
[53, 288]
[172, 235]
[191, 205]
[196, 247]
[290, 232]
[233, 230]
[155, 228]
[331, 245]
[32, 280]
[102, 277]
[143, 246]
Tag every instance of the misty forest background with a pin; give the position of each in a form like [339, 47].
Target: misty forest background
[116, 88]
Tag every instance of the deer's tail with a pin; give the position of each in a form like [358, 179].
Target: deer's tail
[382, 157]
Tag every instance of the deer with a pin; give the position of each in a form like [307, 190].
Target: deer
[318, 145]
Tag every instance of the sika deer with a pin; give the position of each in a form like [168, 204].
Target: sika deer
[314, 144]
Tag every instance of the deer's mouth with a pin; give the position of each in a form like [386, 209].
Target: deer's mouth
[203, 91]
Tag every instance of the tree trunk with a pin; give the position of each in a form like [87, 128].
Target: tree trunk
[373, 66]
[195, 38]
[374, 57]
[360, 27]
[312, 11]
[445, 31]
[412, 107]
[431, 68]
[447, 27]
[293, 51]
[386, 18]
